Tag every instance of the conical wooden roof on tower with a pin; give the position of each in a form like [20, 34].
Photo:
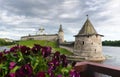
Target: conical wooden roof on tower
[87, 29]
[60, 29]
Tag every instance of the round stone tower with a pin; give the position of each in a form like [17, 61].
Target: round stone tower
[61, 35]
[88, 43]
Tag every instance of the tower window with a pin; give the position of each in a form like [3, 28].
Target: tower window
[96, 36]
[83, 42]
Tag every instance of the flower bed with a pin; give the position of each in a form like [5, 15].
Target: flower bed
[22, 61]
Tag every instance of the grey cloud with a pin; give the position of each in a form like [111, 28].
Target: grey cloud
[29, 15]
[30, 7]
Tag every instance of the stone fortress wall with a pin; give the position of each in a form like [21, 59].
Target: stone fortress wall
[59, 37]
[53, 37]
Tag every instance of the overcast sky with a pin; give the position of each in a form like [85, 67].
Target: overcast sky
[22, 17]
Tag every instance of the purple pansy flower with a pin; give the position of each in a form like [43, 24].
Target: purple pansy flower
[46, 51]
[25, 50]
[1, 54]
[6, 51]
[56, 55]
[51, 74]
[73, 73]
[12, 65]
[36, 48]
[25, 70]
[10, 75]
[41, 74]
[59, 75]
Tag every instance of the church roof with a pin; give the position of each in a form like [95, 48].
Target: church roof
[60, 29]
[87, 29]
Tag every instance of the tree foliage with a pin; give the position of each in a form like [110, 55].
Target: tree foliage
[111, 43]
[4, 43]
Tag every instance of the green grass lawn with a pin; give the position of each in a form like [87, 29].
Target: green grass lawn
[63, 51]
[30, 43]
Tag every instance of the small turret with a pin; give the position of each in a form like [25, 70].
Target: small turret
[61, 34]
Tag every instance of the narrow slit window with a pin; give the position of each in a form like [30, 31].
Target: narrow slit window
[83, 42]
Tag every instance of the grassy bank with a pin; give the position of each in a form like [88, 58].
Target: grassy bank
[30, 43]
[54, 45]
